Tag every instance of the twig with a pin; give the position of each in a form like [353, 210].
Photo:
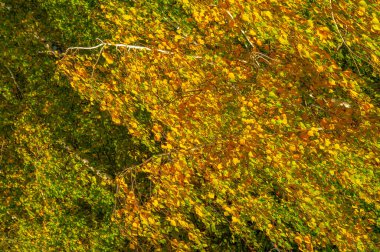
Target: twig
[84, 48]
[104, 176]
[348, 47]
[341, 44]
[1, 151]
[96, 63]
[15, 82]
[142, 163]
[123, 172]
[243, 32]
[47, 52]
[341, 36]
[103, 44]
[255, 55]
[116, 192]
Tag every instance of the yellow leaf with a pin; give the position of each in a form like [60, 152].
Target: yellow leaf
[133, 124]
[323, 33]
[116, 120]
[144, 220]
[157, 137]
[108, 58]
[310, 23]
[168, 146]
[199, 212]
[363, 3]
[327, 142]
[231, 76]
[361, 11]
[173, 223]
[235, 220]
[151, 221]
[245, 17]
[353, 94]
[127, 17]
[192, 236]
[267, 14]
[283, 40]
[252, 32]
[375, 20]
[177, 37]
[375, 58]
[307, 199]
[235, 161]
[211, 195]
[298, 239]
[320, 69]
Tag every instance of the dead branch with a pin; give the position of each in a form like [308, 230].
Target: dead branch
[15, 82]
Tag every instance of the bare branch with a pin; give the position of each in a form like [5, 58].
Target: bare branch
[85, 48]
[103, 44]
[123, 172]
[1, 150]
[96, 63]
[104, 176]
[243, 32]
[255, 55]
[15, 82]
[341, 36]
[352, 53]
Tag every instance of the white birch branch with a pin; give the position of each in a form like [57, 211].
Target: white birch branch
[344, 42]
[14, 81]
[104, 176]
[342, 38]
[256, 55]
[243, 32]
[102, 44]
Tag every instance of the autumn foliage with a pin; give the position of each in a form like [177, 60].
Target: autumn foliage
[241, 125]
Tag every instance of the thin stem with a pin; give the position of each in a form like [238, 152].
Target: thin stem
[243, 32]
[340, 34]
[15, 82]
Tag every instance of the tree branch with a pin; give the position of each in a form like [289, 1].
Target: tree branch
[243, 32]
[255, 55]
[342, 38]
[142, 163]
[103, 44]
[352, 53]
[15, 82]
[144, 48]
[104, 176]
